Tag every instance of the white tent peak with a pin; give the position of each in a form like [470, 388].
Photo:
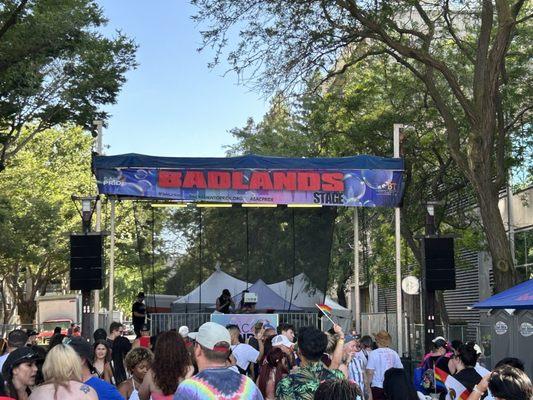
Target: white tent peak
[267, 298]
[210, 289]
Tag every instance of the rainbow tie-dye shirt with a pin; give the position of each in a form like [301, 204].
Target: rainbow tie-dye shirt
[218, 384]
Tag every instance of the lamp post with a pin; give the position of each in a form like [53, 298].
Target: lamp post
[98, 223]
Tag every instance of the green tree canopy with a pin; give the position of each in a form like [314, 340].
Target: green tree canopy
[39, 214]
[55, 68]
[469, 58]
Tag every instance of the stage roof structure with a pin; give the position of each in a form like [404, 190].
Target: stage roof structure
[358, 181]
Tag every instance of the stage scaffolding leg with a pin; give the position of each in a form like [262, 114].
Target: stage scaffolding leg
[357, 300]
[399, 312]
[111, 262]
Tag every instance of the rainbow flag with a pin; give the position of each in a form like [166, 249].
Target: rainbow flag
[440, 375]
[324, 308]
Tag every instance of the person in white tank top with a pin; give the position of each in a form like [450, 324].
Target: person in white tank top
[138, 362]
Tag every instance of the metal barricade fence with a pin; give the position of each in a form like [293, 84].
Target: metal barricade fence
[161, 322]
[299, 320]
[165, 321]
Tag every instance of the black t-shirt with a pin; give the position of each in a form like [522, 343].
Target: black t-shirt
[254, 343]
[224, 303]
[140, 308]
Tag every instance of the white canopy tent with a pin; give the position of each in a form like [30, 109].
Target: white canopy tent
[208, 292]
[306, 297]
[267, 299]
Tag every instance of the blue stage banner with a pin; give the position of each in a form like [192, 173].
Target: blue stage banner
[246, 322]
[361, 181]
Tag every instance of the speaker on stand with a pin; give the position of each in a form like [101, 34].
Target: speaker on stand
[438, 273]
[86, 262]
[86, 271]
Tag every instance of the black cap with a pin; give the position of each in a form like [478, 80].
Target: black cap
[82, 347]
[439, 342]
[31, 332]
[17, 357]
[141, 295]
[145, 327]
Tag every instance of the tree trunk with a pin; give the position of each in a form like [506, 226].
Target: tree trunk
[27, 310]
[7, 312]
[441, 311]
[341, 295]
[497, 240]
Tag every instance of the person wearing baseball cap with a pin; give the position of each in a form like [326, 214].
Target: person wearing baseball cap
[436, 360]
[85, 351]
[356, 362]
[19, 372]
[281, 340]
[214, 379]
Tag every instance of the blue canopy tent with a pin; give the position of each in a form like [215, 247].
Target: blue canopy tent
[519, 297]
[511, 323]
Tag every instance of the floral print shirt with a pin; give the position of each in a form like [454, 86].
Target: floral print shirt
[303, 384]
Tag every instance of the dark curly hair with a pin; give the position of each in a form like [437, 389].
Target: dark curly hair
[312, 343]
[137, 356]
[337, 389]
[171, 361]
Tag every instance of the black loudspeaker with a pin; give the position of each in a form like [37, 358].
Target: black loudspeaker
[86, 262]
[439, 263]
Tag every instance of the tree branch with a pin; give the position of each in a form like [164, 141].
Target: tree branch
[12, 20]
[522, 20]
[347, 65]
[410, 52]
[517, 117]
[456, 39]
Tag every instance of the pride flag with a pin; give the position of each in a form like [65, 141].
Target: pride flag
[456, 390]
[324, 308]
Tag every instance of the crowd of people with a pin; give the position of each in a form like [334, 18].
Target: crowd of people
[216, 362]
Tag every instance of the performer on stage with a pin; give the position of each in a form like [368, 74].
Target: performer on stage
[224, 302]
[138, 314]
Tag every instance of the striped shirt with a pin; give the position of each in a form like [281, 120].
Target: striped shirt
[356, 371]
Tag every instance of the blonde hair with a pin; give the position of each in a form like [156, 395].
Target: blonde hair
[62, 364]
[383, 338]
